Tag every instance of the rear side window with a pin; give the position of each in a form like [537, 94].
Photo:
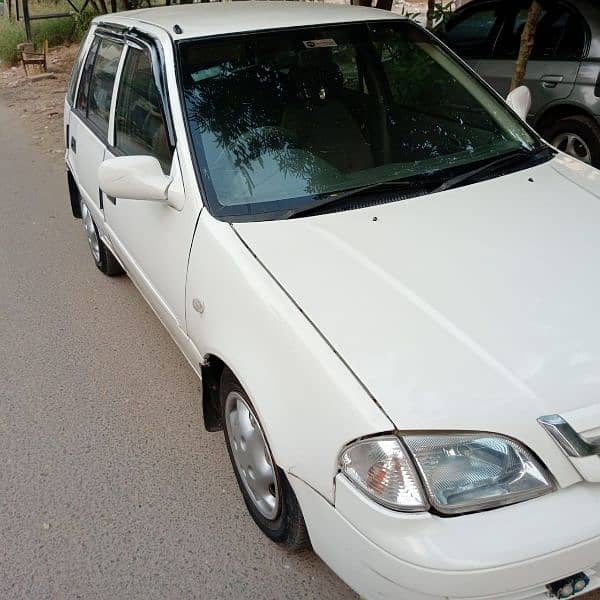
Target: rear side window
[139, 121]
[102, 83]
[560, 35]
[471, 34]
[75, 75]
[84, 86]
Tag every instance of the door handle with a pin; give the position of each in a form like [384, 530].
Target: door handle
[551, 81]
[73, 145]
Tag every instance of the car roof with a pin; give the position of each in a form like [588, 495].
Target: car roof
[220, 18]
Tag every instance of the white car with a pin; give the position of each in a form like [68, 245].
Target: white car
[386, 281]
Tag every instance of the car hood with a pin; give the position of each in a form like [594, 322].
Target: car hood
[473, 308]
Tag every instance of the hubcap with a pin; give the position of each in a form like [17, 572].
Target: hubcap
[252, 455]
[90, 232]
[573, 145]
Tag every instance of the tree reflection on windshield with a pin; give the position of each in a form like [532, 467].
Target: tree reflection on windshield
[278, 118]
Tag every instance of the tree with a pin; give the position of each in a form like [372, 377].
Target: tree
[527, 42]
[430, 14]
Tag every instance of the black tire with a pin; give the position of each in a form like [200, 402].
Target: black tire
[104, 258]
[581, 126]
[288, 528]
[108, 264]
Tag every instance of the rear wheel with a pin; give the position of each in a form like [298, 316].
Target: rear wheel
[266, 491]
[578, 136]
[102, 256]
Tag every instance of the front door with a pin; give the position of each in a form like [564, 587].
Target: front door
[152, 239]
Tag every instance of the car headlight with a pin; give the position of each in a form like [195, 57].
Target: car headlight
[462, 472]
[381, 468]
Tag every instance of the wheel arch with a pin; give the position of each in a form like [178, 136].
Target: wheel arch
[211, 369]
[560, 111]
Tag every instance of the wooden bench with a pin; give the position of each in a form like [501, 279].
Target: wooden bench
[33, 59]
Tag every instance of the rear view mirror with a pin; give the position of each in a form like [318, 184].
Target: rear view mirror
[520, 101]
[134, 178]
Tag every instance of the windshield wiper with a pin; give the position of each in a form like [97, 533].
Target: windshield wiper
[426, 181]
[339, 196]
[521, 155]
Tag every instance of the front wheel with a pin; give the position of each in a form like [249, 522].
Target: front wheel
[578, 136]
[103, 257]
[266, 491]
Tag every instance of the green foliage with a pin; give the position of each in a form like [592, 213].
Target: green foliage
[56, 31]
[442, 12]
[11, 34]
[82, 24]
[413, 16]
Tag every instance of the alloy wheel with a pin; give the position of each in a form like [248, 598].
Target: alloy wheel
[574, 145]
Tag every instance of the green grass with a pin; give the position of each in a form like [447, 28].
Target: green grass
[11, 34]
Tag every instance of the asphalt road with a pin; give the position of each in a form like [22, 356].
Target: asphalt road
[109, 485]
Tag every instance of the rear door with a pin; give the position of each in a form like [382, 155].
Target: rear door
[89, 122]
[554, 63]
[152, 239]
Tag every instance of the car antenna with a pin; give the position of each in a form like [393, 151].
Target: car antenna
[177, 29]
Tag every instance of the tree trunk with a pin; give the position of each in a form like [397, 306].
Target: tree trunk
[95, 7]
[430, 11]
[384, 4]
[527, 42]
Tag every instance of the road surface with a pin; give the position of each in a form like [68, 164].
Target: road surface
[109, 485]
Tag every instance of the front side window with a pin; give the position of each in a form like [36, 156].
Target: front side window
[280, 119]
[139, 119]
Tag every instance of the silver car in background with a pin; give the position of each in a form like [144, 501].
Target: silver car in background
[563, 73]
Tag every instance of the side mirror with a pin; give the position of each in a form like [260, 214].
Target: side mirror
[134, 178]
[520, 101]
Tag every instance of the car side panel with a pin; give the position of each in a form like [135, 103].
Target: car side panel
[308, 401]
[548, 81]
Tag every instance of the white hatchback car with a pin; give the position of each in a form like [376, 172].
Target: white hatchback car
[386, 281]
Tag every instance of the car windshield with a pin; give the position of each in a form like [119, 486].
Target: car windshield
[281, 119]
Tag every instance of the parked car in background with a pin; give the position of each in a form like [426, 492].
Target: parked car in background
[367, 258]
[563, 73]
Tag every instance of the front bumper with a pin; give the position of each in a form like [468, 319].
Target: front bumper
[510, 553]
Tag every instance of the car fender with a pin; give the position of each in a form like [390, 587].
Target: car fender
[309, 402]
